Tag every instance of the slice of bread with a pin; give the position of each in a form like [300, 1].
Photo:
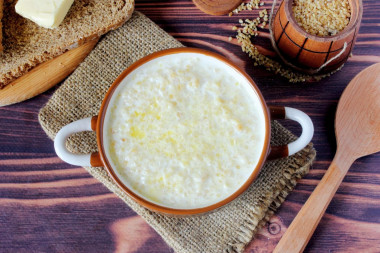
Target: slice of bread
[1, 28]
[26, 44]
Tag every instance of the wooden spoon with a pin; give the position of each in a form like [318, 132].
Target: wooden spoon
[217, 7]
[44, 76]
[357, 129]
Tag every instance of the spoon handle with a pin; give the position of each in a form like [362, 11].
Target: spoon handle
[302, 228]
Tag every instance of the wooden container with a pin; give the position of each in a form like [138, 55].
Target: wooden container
[309, 53]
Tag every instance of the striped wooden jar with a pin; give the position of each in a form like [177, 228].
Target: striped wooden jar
[310, 53]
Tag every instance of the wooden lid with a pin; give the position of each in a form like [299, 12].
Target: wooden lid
[217, 7]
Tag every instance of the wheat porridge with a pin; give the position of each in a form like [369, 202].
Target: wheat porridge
[184, 131]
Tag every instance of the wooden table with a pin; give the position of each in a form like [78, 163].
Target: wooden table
[49, 206]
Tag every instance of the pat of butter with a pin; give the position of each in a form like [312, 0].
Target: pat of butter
[46, 13]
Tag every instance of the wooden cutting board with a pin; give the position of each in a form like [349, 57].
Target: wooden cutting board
[45, 75]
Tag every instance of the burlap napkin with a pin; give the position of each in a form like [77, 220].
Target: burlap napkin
[227, 230]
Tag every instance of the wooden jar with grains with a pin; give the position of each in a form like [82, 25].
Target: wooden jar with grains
[316, 36]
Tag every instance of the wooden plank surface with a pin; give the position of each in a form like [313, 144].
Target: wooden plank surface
[49, 206]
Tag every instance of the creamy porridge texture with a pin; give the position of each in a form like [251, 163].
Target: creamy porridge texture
[185, 131]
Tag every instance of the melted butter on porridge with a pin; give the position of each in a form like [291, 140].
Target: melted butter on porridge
[184, 131]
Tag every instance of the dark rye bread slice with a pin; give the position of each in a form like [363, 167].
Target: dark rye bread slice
[1, 28]
[26, 44]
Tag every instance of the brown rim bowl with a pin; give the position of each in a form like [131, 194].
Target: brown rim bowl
[141, 200]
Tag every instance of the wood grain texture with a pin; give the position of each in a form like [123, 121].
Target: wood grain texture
[49, 206]
[357, 129]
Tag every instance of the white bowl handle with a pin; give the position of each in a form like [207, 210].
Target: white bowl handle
[280, 112]
[86, 124]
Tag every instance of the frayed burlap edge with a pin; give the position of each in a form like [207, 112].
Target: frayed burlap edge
[273, 202]
[255, 220]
